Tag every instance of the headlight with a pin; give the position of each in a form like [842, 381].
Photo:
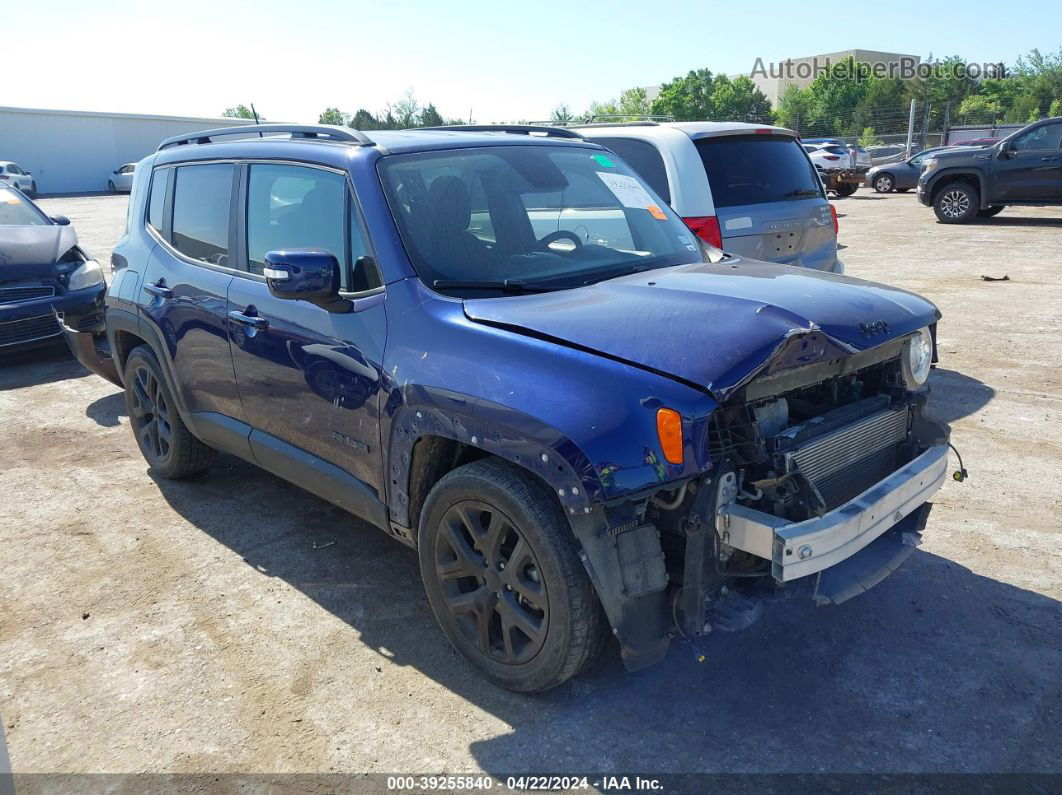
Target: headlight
[917, 359]
[929, 164]
[87, 274]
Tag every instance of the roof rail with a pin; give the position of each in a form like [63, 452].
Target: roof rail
[632, 118]
[516, 129]
[322, 132]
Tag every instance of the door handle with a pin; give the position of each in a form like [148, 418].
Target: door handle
[254, 321]
[160, 289]
[1049, 159]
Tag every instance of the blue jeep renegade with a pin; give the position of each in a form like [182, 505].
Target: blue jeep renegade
[502, 348]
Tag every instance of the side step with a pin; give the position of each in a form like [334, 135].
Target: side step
[733, 611]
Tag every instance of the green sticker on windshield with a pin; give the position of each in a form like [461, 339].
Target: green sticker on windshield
[603, 160]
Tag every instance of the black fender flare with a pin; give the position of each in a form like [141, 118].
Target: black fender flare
[118, 320]
[495, 429]
[971, 174]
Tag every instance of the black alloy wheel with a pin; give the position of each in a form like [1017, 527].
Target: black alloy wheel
[491, 582]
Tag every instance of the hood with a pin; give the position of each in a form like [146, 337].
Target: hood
[716, 326]
[31, 251]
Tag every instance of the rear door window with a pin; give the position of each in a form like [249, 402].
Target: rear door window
[201, 212]
[644, 158]
[756, 169]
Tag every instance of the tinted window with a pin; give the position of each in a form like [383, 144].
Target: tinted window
[1047, 137]
[556, 215]
[295, 207]
[201, 212]
[644, 158]
[157, 202]
[754, 169]
[126, 169]
[13, 169]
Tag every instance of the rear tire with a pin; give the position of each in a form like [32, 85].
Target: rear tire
[884, 183]
[995, 209]
[846, 189]
[167, 445]
[956, 203]
[502, 575]
[902, 190]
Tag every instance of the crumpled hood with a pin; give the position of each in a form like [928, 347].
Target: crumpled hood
[716, 326]
[28, 252]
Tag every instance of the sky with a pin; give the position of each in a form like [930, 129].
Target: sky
[500, 61]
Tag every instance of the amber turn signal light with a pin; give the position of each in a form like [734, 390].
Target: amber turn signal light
[669, 429]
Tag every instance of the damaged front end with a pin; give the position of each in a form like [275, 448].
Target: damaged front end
[820, 481]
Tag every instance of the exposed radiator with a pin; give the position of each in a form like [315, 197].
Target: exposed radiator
[849, 460]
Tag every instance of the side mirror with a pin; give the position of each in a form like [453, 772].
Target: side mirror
[60, 220]
[1005, 152]
[304, 274]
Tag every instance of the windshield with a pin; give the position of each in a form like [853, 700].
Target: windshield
[15, 210]
[756, 169]
[529, 216]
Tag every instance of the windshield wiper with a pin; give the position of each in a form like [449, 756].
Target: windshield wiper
[506, 286]
[800, 193]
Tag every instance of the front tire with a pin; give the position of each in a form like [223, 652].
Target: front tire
[502, 575]
[956, 203]
[995, 209]
[884, 183]
[111, 187]
[846, 189]
[33, 190]
[167, 445]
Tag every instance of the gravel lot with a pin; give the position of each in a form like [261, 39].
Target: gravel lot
[233, 623]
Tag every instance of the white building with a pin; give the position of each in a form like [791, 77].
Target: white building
[71, 151]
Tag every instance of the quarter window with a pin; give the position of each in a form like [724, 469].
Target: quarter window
[644, 158]
[201, 212]
[157, 200]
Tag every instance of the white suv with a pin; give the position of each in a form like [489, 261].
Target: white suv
[745, 188]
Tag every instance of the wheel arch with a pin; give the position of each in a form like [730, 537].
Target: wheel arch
[428, 440]
[946, 178]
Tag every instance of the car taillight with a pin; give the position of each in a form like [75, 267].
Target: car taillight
[836, 227]
[4, 176]
[831, 157]
[707, 229]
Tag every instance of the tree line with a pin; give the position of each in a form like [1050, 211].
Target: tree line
[845, 101]
[848, 101]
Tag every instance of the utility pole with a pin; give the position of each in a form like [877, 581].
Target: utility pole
[947, 124]
[910, 128]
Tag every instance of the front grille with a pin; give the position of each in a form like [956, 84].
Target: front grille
[9, 294]
[28, 329]
[851, 459]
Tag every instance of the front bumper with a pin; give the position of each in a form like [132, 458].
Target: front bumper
[799, 549]
[34, 321]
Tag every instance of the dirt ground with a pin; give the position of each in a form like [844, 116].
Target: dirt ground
[233, 623]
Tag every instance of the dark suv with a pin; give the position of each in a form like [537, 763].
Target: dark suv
[503, 349]
[1023, 168]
